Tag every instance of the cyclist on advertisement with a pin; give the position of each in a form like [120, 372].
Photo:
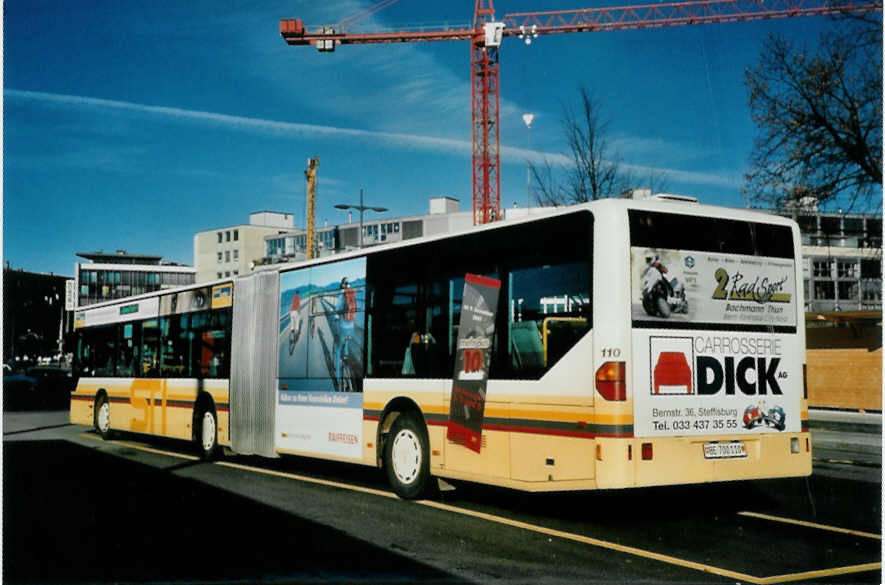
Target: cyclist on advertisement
[295, 315]
[346, 316]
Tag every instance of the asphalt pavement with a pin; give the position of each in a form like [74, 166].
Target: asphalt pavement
[77, 509]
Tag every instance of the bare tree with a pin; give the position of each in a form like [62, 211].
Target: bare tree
[819, 118]
[593, 171]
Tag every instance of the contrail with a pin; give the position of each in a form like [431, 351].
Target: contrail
[280, 128]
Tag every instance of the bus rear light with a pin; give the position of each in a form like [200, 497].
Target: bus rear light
[598, 452]
[629, 452]
[647, 452]
[794, 445]
[611, 380]
[807, 445]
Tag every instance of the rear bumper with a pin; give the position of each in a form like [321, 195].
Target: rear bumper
[680, 460]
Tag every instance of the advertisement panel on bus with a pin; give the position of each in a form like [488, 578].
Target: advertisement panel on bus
[321, 328]
[715, 344]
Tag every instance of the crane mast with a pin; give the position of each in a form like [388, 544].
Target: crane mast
[311, 175]
[485, 40]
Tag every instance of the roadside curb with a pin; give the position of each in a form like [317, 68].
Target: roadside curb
[845, 421]
[852, 462]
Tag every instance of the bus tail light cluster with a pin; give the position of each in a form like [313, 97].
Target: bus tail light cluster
[611, 380]
[647, 452]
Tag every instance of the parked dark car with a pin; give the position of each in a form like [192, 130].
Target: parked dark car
[38, 388]
[19, 390]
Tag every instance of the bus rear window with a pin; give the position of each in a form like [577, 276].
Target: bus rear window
[653, 229]
[711, 273]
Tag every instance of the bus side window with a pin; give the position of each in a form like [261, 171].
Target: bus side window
[174, 347]
[84, 366]
[150, 346]
[549, 309]
[130, 340]
[104, 350]
[209, 336]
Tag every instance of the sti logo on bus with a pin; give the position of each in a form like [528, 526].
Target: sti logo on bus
[682, 365]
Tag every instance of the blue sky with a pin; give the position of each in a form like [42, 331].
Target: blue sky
[133, 125]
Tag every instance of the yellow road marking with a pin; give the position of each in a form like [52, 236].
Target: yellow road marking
[810, 524]
[821, 573]
[562, 534]
[595, 542]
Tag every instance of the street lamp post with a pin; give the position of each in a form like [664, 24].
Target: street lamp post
[528, 118]
[361, 208]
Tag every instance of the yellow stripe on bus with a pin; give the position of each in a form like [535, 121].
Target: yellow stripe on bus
[527, 413]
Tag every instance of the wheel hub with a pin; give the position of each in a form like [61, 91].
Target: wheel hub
[104, 417]
[208, 431]
[406, 456]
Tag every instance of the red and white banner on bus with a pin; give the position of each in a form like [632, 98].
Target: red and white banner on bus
[474, 352]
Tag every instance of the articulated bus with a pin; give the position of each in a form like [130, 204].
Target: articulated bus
[631, 343]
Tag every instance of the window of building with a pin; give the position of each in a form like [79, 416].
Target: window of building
[219, 275]
[236, 235]
[220, 238]
[848, 291]
[227, 272]
[227, 255]
[219, 257]
[227, 235]
[847, 269]
[825, 290]
[852, 225]
[871, 269]
[830, 225]
[236, 254]
[872, 291]
[807, 223]
[821, 268]
[236, 272]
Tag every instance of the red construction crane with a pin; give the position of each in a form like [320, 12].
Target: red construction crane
[485, 39]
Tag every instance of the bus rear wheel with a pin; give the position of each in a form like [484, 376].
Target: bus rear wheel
[407, 458]
[206, 435]
[103, 417]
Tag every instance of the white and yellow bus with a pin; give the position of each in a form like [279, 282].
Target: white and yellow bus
[636, 343]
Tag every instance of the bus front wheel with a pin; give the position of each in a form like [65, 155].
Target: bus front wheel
[407, 457]
[103, 417]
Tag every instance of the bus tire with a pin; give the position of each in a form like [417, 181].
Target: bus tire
[102, 417]
[206, 435]
[407, 457]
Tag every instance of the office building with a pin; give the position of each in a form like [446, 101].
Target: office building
[112, 275]
[842, 260]
[230, 251]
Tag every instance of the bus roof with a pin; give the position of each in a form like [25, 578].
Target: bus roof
[608, 205]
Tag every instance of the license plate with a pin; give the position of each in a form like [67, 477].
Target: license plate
[734, 449]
